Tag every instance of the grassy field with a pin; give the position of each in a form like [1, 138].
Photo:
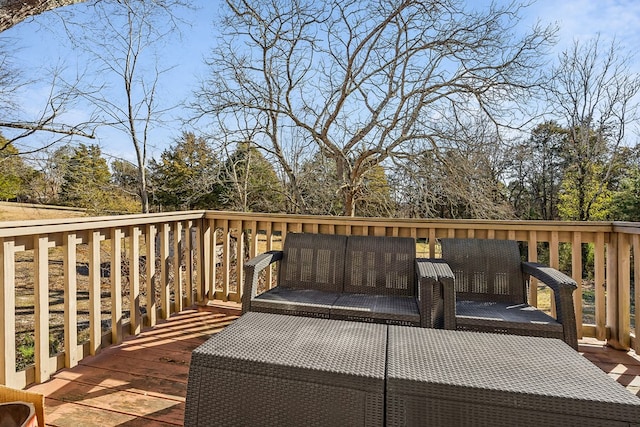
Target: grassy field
[24, 212]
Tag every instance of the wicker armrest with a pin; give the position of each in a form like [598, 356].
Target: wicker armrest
[429, 294]
[252, 269]
[551, 277]
[563, 287]
[446, 279]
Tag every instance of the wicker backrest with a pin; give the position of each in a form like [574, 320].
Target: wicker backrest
[313, 261]
[486, 269]
[380, 265]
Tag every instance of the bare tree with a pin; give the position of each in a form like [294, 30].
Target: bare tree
[19, 124]
[366, 80]
[124, 38]
[595, 96]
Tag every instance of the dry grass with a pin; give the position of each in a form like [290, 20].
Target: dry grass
[25, 212]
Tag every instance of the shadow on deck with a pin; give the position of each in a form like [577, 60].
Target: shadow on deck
[143, 380]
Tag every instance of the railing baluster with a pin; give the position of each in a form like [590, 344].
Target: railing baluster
[150, 264]
[532, 256]
[636, 296]
[599, 277]
[576, 273]
[623, 309]
[240, 248]
[177, 267]
[41, 308]
[116, 285]
[226, 264]
[70, 300]
[206, 259]
[214, 260]
[165, 295]
[134, 281]
[8, 319]
[188, 263]
[95, 315]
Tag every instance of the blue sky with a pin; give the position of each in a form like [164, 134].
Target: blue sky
[39, 46]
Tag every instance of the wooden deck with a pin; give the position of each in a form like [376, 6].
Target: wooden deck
[143, 381]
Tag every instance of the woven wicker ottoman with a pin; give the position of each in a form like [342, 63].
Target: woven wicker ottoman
[269, 369]
[446, 378]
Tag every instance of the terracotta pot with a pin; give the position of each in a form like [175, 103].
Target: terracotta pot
[18, 414]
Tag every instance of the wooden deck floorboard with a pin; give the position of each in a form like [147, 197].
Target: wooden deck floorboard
[143, 380]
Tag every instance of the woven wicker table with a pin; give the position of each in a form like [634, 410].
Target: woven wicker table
[269, 369]
[445, 378]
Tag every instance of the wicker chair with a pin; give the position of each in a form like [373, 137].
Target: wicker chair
[364, 278]
[485, 289]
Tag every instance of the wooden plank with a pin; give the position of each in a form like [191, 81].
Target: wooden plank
[576, 273]
[636, 296]
[612, 296]
[7, 316]
[188, 262]
[554, 262]
[95, 328]
[165, 292]
[269, 247]
[70, 300]
[226, 263]
[135, 316]
[152, 304]
[205, 260]
[41, 308]
[214, 262]
[599, 277]
[240, 248]
[178, 283]
[197, 258]
[116, 285]
[532, 256]
[624, 291]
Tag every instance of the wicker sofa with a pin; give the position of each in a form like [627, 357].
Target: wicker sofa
[364, 278]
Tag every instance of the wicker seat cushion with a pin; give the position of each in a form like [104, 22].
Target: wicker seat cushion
[495, 314]
[280, 300]
[381, 308]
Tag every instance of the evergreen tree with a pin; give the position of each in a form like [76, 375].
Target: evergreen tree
[185, 176]
[14, 173]
[87, 180]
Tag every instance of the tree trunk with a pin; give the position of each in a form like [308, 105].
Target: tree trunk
[13, 12]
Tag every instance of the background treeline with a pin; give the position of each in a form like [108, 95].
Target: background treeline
[425, 109]
[544, 176]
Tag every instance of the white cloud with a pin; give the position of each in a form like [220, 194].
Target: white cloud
[584, 19]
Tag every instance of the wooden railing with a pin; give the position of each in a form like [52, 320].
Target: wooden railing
[119, 273]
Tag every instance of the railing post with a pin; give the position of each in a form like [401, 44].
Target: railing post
[7, 318]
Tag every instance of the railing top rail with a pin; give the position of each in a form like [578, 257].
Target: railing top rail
[536, 225]
[33, 227]
[626, 227]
